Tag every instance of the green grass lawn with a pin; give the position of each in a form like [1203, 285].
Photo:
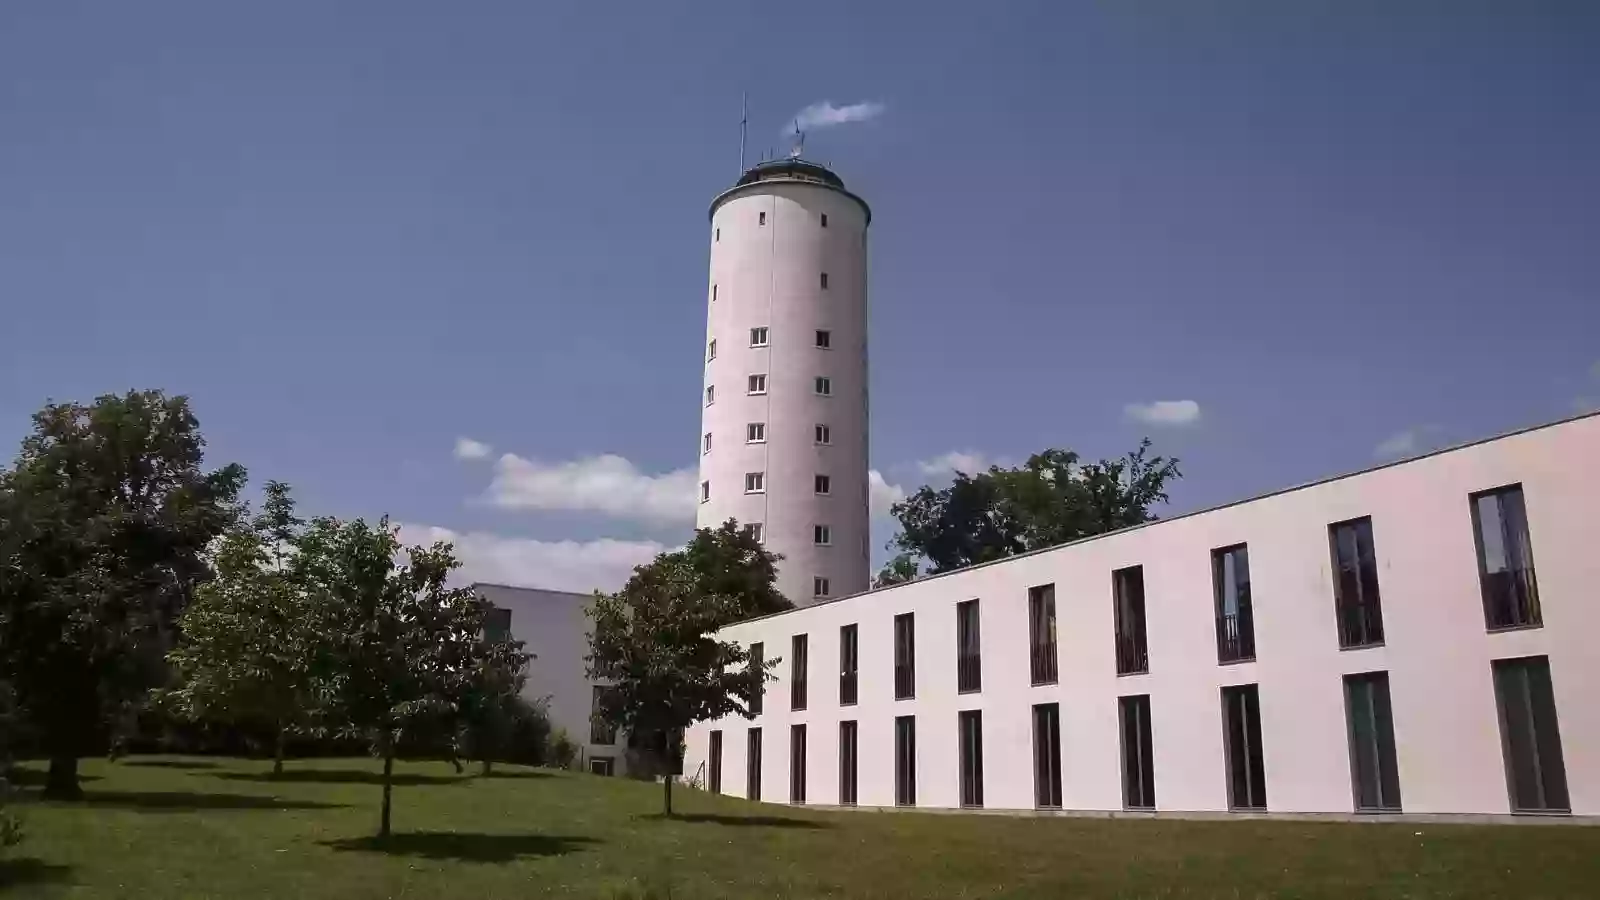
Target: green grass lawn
[155, 828]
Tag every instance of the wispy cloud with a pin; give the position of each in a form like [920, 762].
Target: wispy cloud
[969, 462]
[555, 565]
[824, 114]
[467, 448]
[1169, 413]
[606, 484]
[881, 494]
[1408, 442]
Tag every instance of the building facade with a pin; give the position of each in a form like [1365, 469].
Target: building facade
[1416, 638]
[783, 443]
[554, 627]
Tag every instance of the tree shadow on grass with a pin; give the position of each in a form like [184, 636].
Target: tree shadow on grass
[18, 873]
[168, 763]
[465, 846]
[339, 776]
[499, 774]
[188, 801]
[737, 821]
[21, 777]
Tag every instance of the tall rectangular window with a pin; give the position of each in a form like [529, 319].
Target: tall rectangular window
[1374, 773]
[1535, 772]
[820, 586]
[905, 657]
[798, 661]
[1047, 755]
[757, 664]
[1241, 732]
[1505, 559]
[761, 219]
[905, 761]
[705, 442]
[496, 625]
[752, 764]
[822, 484]
[1355, 584]
[849, 664]
[824, 280]
[755, 433]
[705, 491]
[824, 220]
[711, 350]
[824, 386]
[714, 765]
[1042, 661]
[1138, 765]
[711, 394]
[969, 656]
[847, 763]
[824, 434]
[600, 730]
[1230, 585]
[1133, 651]
[821, 535]
[970, 728]
[797, 763]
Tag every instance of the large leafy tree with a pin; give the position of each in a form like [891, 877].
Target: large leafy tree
[727, 561]
[655, 642]
[255, 649]
[410, 649]
[105, 519]
[1051, 499]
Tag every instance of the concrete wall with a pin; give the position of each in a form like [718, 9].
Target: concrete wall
[552, 626]
[768, 276]
[1437, 651]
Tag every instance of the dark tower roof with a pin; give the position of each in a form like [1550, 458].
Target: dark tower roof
[792, 170]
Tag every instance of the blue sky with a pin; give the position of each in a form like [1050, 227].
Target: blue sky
[357, 233]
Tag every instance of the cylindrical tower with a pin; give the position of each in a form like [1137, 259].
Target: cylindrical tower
[783, 443]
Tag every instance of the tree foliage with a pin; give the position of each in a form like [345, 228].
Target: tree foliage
[1051, 499]
[105, 518]
[726, 561]
[254, 648]
[654, 641]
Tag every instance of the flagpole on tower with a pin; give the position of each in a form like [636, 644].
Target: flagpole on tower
[744, 121]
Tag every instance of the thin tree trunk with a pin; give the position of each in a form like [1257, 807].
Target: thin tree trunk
[488, 765]
[667, 783]
[388, 786]
[62, 783]
[277, 752]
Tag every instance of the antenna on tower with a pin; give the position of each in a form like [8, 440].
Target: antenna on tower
[744, 122]
[799, 141]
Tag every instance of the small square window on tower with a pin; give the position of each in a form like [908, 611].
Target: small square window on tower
[755, 433]
[754, 530]
[755, 482]
[822, 483]
[705, 443]
[824, 339]
[758, 337]
[705, 491]
[758, 384]
[824, 386]
[762, 219]
[824, 280]
[819, 586]
[711, 394]
[821, 535]
[824, 434]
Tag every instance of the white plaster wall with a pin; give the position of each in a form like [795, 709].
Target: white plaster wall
[1437, 651]
[553, 627]
[769, 276]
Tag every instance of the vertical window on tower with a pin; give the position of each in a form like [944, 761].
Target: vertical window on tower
[820, 586]
[823, 484]
[821, 535]
[824, 434]
[754, 530]
[755, 482]
[824, 220]
[824, 280]
[711, 350]
[824, 386]
[755, 433]
[713, 293]
[758, 337]
[705, 491]
[705, 443]
[761, 219]
[718, 236]
[758, 384]
[711, 394]
[824, 339]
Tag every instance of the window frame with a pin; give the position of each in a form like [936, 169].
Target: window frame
[755, 432]
[756, 384]
[969, 647]
[822, 385]
[1371, 627]
[1044, 655]
[760, 336]
[821, 535]
[755, 482]
[1131, 638]
[822, 484]
[799, 664]
[1525, 577]
[824, 338]
[1239, 646]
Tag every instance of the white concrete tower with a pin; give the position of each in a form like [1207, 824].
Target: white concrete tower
[783, 441]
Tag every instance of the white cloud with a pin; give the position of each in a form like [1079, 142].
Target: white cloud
[881, 494]
[555, 565]
[825, 115]
[467, 448]
[607, 484]
[1164, 412]
[1409, 442]
[970, 462]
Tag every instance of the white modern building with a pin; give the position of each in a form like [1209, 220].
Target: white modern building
[1418, 638]
[554, 627]
[783, 443]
